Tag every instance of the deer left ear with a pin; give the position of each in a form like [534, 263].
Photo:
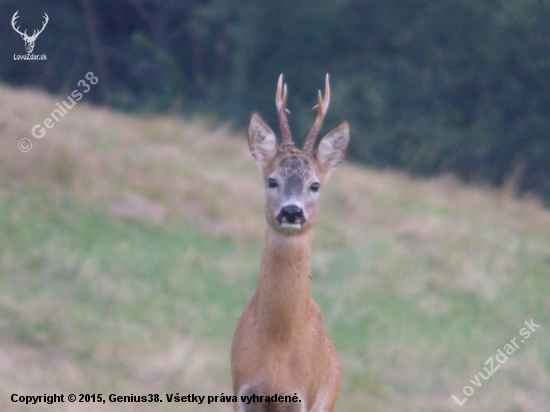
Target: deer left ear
[261, 141]
[332, 147]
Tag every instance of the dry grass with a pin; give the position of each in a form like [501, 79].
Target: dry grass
[420, 281]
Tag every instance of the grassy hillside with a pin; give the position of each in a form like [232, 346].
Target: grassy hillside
[129, 245]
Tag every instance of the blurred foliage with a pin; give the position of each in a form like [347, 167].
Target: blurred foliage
[429, 86]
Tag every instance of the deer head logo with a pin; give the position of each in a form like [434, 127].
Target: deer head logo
[29, 40]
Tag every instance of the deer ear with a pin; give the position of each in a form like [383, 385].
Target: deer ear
[261, 141]
[332, 147]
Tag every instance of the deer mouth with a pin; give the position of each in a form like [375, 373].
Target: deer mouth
[291, 217]
[293, 226]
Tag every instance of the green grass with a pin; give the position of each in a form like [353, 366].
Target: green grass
[79, 247]
[105, 290]
[128, 247]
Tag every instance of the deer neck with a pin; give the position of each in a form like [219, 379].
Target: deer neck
[284, 286]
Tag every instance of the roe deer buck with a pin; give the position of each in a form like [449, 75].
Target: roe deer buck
[280, 346]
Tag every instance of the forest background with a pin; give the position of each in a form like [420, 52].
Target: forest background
[456, 87]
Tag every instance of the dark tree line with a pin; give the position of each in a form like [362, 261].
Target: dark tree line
[429, 86]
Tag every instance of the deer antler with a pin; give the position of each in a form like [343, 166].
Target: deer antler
[280, 102]
[322, 108]
[35, 33]
[13, 19]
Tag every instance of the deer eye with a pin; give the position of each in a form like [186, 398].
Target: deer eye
[314, 187]
[272, 183]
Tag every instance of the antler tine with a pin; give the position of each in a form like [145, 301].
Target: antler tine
[14, 22]
[280, 102]
[322, 108]
[37, 32]
[46, 20]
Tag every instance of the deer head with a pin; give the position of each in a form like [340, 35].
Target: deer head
[29, 40]
[293, 178]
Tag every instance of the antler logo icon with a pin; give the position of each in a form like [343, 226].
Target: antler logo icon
[29, 40]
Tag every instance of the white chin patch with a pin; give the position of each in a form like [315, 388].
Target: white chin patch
[295, 226]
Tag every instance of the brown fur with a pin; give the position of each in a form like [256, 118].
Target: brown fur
[280, 345]
[280, 342]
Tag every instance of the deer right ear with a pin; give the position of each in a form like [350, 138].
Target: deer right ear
[333, 146]
[261, 141]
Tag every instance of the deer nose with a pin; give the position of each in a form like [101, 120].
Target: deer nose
[292, 213]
